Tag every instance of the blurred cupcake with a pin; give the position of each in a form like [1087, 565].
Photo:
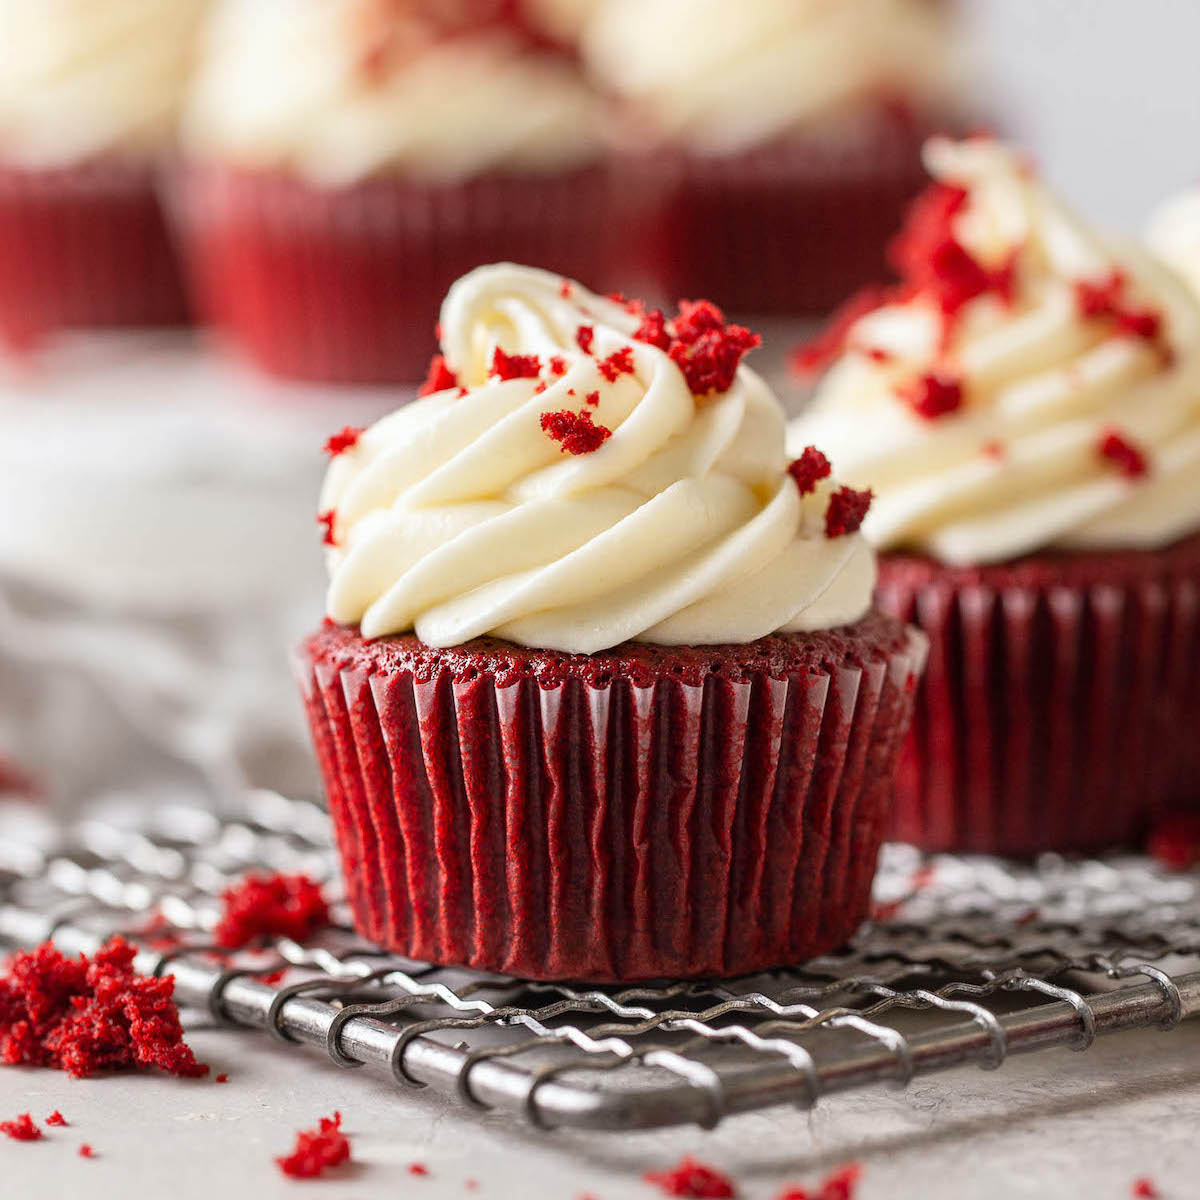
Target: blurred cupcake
[601, 694]
[1174, 235]
[796, 126]
[1027, 405]
[351, 158]
[89, 95]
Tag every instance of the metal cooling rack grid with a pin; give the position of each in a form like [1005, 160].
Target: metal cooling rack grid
[970, 961]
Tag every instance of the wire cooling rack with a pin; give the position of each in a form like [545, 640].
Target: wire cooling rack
[967, 961]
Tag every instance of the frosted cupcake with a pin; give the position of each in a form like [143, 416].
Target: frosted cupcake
[795, 126]
[1027, 407]
[89, 95]
[351, 158]
[601, 693]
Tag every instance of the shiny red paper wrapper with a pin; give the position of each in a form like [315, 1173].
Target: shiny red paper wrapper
[647, 812]
[1060, 708]
[84, 246]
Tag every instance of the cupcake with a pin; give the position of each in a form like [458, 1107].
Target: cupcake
[1027, 406]
[89, 96]
[348, 160]
[1174, 235]
[601, 693]
[794, 127]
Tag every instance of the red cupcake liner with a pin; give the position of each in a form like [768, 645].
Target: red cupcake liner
[588, 817]
[1059, 709]
[84, 246]
[343, 285]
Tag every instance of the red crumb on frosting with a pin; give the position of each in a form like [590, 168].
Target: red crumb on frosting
[56, 1118]
[84, 1015]
[1125, 455]
[847, 509]
[418, 1169]
[223, 1078]
[1175, 841]
[585, 335]
[439, 377]
[840, 1185]
[706, 349]
[1145, 1189]
[815, 355]
[1106, 299]
[327, 520]
[86, 1151]
[653, 330]
[21, 1129]
[514, 366]
[692, 1178]
[558, 365]
[317, 1149]
[270, 906]
[809, 469]
[576, 432]
[619, 362]
[592, 398]
[347, 439]
[564, 288]
[933, 395]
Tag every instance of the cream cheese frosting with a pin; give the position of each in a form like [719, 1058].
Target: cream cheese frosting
[1059, 407]
[724, 77]
[342, 89]
[1174, 235]
[676, 521]
[83, 78]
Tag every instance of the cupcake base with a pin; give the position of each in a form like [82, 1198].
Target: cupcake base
[1059, 709]
[642, 813]
[84, 246]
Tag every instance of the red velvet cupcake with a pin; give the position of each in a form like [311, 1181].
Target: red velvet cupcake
[601, 695]
[348, 162]
[1027, 405]
[87, 108]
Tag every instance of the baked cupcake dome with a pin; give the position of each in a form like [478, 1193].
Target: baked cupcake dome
[600, 673]
[1028, 408]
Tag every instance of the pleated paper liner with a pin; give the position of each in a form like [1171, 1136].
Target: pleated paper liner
[1060, 708]
[638, 814]
[344, 284]
[84, 246]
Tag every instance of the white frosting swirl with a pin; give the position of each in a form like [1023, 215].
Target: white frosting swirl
[88, 77]
[1018, 467]
[723, 77]
[341, 89]
[1174, 235]
[458, 516]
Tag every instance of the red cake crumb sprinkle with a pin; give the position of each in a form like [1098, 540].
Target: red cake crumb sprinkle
[222, 1078]
[439, 378]
[84, 1015]
[1175, 841]
[564, 288]
[1124, 454]
[653, 330]
[585, 335]
[56, 1118]
[809, 469]
[933, 395]
[418, 1169]
[1106, 299]
[347, 439]
[327, 520]
[514, 366]
[878, 354]
[1145, 1189]
[577, 432]
[22, 1129]
[86, 1151]
[847, 510]
[270, 906]
[692, 1178]
[841, 1185]
[706, 349]
[541, 387]
[317, 1149]
[815, 355]
[558, 365]
[592, 398]
[618, 363]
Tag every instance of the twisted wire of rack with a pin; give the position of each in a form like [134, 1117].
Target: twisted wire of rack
[966, 961]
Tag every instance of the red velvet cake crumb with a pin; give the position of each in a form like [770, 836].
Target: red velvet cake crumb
[653, 330]
[56, 1118]
[1106, 299]
[1145, 1189]
[439, 378]
[564, 288]
[618, 363]
[514, 366]
[706, 349]
[585, 335]
[847, 509]
[1175, 841]
[86, 1151]
[270, 906]
[21, 1129]
[317, 1149]
[327, 520]
[223, 1078]
[418, 1169]
[1128, 458]
[347, 439]
[933, 395]
[84, 1015]
[809, 469]
[841, 1185]
[818, 353]
[592, 398]
[558, 365]
[577, 432]
[694, 1179]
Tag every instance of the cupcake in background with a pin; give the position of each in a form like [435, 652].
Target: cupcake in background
[601, 693]
[349, 159]
[89, 98]
[1027, 407]
[1174, 235]
[795, 126]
